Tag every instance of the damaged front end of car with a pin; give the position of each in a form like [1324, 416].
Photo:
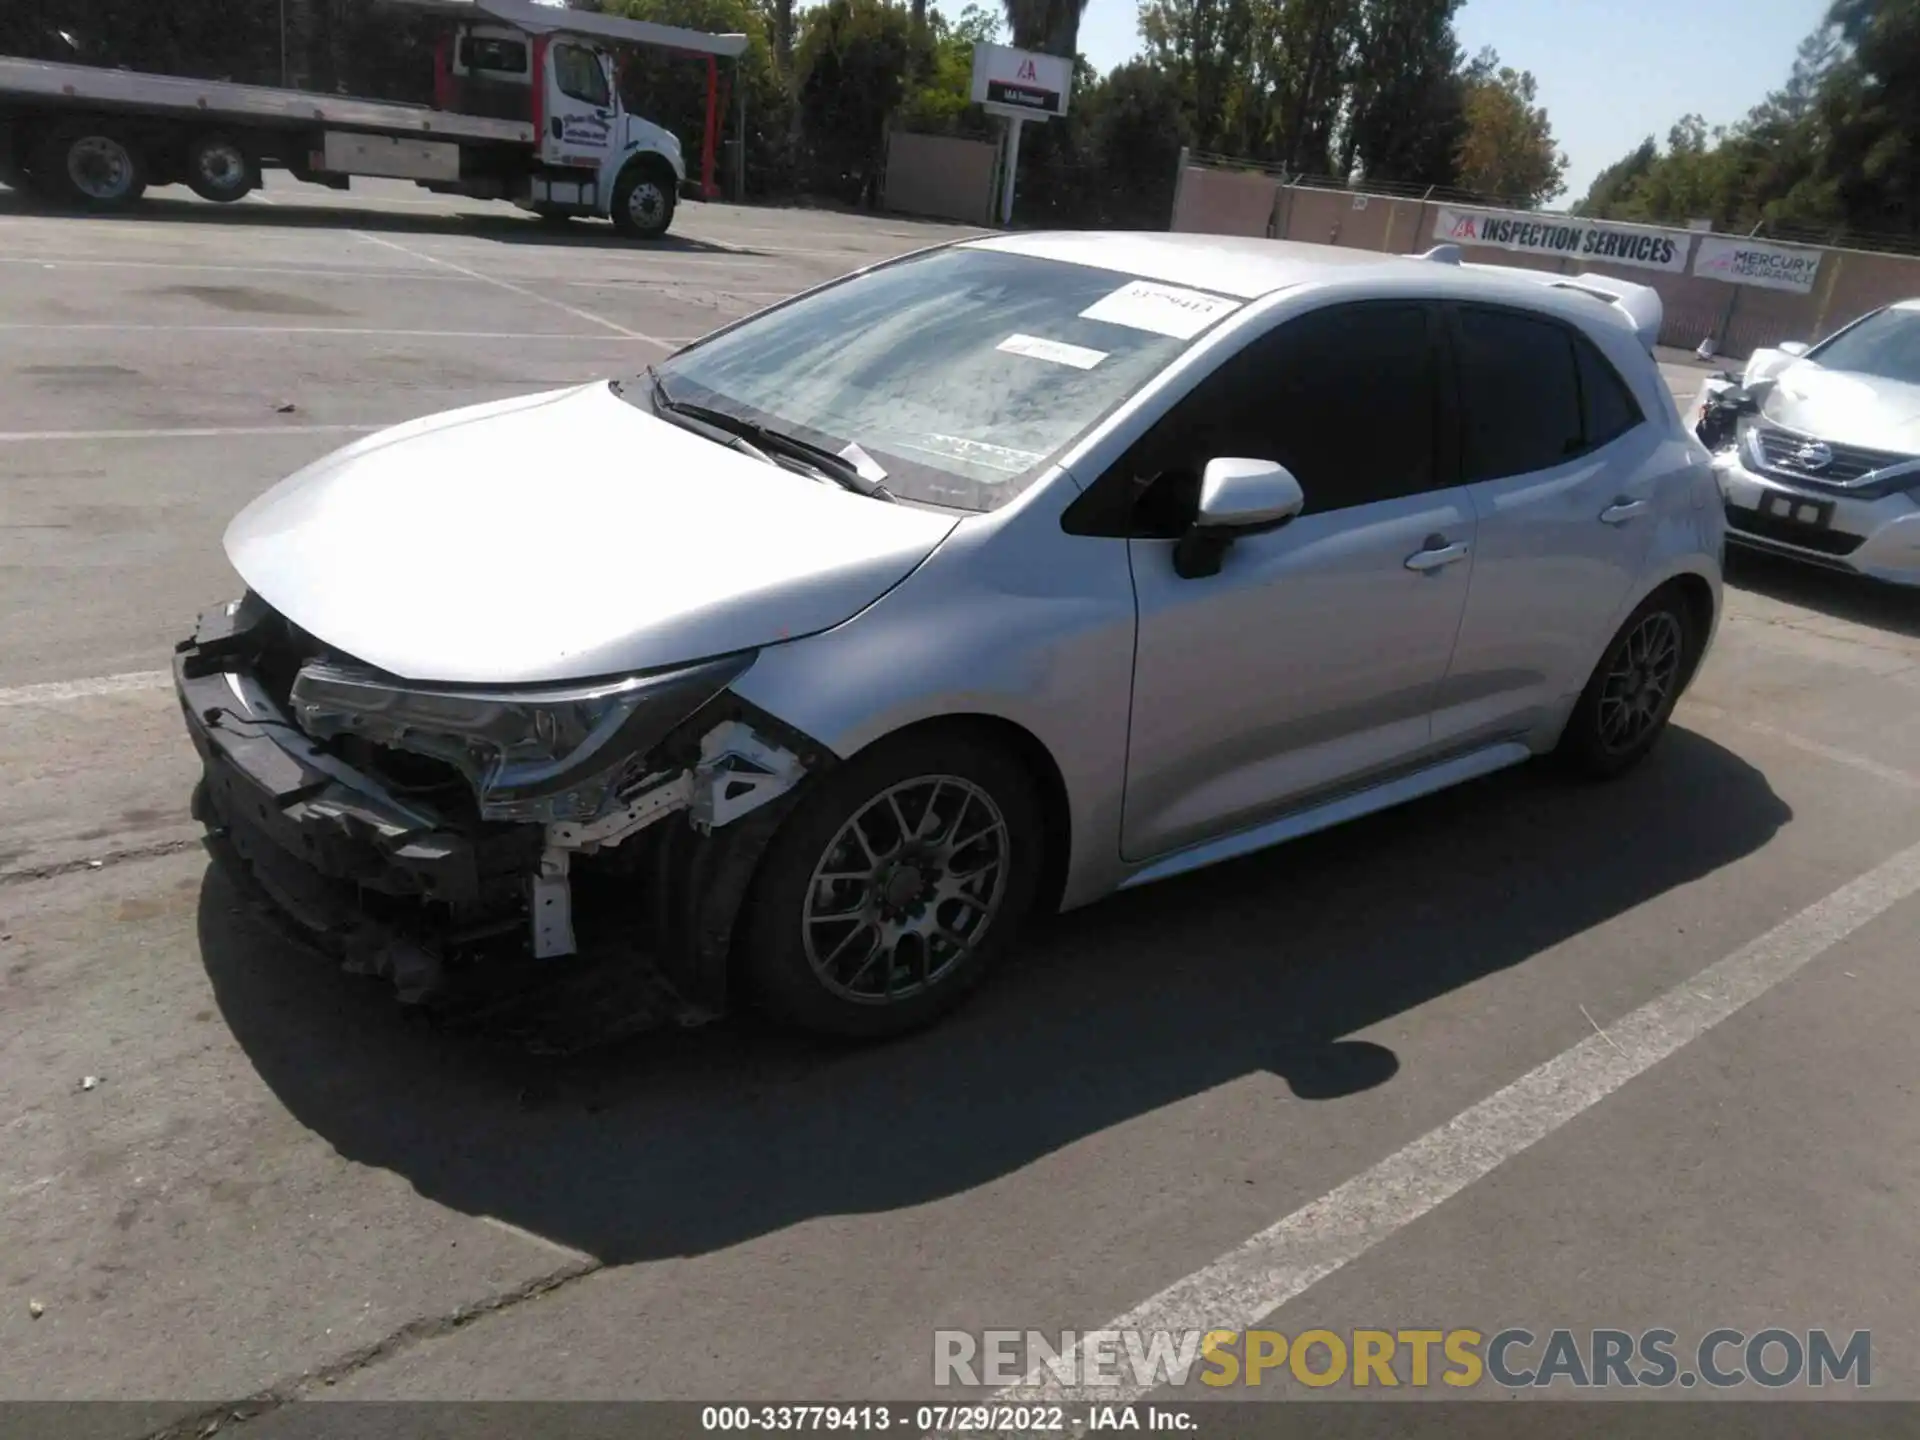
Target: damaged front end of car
[422, 830]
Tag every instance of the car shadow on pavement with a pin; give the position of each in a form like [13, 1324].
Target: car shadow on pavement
[687, 1142]
[506, 225]
[1828, 592]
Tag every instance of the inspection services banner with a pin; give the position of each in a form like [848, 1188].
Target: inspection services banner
[1757, 262]
[1566, 235]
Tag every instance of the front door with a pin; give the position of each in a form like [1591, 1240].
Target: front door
[579, 126]
[1563, 468]
[1311, 661]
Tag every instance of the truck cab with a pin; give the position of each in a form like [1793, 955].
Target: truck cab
[592, 156]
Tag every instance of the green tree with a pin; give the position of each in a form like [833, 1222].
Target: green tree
[1872, 105]
[1304, 52]
[1204, 47]
[1050, 26]
[942, 99]
[1614, 188]
[1506, 147]
[850, 67]
[1404, 98]
[671, 89]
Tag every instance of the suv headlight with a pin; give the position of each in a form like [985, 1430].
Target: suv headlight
[547, 753]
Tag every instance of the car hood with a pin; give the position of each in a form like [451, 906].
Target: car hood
[1849, 409]
[559, 536]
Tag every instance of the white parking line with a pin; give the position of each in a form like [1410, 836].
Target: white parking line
[1294, 1254]
[508, 285]
[62, 262]
[54, 691]
[1888, 774]
[209, 432]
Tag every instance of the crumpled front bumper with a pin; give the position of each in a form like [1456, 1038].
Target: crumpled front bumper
[394, 886]
[388, 879]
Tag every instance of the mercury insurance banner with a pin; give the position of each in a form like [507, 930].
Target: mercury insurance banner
[1757, 262]
[1566, 235]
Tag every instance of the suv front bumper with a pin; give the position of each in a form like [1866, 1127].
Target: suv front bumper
[1878, 538]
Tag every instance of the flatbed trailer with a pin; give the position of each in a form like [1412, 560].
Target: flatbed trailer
[527, 109]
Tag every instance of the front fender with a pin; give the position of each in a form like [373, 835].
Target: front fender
[1016, 621]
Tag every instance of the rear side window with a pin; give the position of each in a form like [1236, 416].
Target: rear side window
[1520, 389]
[1344, 397]
[1611, 410]
[485, 53]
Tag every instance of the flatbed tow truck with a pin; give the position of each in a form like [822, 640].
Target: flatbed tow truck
[527, 108]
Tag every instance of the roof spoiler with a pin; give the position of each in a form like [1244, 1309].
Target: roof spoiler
[1641, 304]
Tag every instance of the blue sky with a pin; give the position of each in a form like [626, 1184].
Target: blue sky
[1611, 71]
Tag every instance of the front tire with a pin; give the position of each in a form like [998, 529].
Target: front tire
[643, 200]
[1625, 708]
[892, 890]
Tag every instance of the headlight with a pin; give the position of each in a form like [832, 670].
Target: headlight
[534, 754]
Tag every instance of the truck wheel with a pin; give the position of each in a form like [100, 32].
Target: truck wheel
[219, 169]
[91, 165]
[643, 200]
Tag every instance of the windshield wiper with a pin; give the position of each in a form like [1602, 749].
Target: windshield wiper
[846, 471]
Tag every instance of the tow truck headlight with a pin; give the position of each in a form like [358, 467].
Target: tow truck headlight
[535, 754]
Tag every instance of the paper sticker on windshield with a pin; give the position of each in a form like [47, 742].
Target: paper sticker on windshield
[1160, 309]
[1058, 351]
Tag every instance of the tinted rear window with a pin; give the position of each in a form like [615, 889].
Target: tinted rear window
[1520, 390]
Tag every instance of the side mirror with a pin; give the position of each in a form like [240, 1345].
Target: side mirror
[1793, 347]
[1237, 497]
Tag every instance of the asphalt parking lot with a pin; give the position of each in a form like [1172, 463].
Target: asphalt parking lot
[277, 1185]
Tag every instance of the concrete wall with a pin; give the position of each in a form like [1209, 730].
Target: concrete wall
[939, 177]
[1224, 202]
[1850, 282]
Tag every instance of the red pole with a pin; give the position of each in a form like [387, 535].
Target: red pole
[443, 73]
[708, 189]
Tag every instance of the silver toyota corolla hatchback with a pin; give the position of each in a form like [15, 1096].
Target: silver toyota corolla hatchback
[1003, 575]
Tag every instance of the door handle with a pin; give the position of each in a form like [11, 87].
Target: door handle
[1622, 510]
[1436, 554]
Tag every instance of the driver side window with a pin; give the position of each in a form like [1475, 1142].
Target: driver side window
[576, 70]
[1347, 398]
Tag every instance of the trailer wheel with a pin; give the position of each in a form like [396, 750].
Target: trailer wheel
[92, 165]
[219, 169]
[643, 198]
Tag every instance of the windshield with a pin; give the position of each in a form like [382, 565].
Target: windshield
[962, 372]
[1886, 345]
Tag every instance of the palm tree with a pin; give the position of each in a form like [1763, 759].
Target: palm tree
[1051, 26]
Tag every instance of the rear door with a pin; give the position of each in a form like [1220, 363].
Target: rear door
[1561, 466]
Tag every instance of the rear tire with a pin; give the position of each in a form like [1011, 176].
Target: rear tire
[91, 165]
[892, 890]
[643, 200]
[220, 169]
[1625, 708]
